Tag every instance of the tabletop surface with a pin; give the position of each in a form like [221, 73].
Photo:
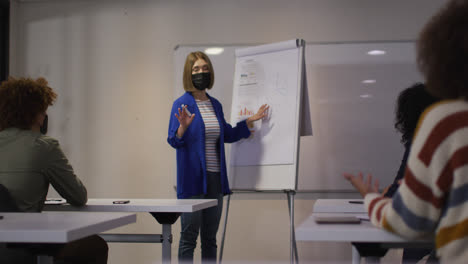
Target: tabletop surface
[58, 227]
[309, 230]
[138, 205]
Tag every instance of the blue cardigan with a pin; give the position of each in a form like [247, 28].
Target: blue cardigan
[191, 159]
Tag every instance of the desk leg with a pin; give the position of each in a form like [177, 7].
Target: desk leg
[371, 252]
[356, 256]
[166, 220]
[45, 259]
[372, 260]
[167, 243]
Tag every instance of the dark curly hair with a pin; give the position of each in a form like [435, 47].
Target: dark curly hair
[22, 99]
[410, 105]
[443, 51]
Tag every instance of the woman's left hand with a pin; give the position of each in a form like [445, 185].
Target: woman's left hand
[364, 187]
[261, 113]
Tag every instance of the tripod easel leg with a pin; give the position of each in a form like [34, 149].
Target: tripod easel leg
[293, 246]
[224, 229]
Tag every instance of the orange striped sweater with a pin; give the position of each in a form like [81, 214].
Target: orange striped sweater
[433, 197]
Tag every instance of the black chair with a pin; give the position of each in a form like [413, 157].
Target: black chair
[7, 203]
[18, 252]
[10, 253]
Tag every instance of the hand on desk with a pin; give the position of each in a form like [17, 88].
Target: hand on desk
[364, 187]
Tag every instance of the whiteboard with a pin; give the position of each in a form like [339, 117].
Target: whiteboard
[352, 121]
[266, 78]
[271, 74]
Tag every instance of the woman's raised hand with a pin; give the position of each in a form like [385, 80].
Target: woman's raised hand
[261, 113]
[363, 186]
[184, 120]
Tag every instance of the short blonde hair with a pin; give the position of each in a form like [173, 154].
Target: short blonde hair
[189, 62]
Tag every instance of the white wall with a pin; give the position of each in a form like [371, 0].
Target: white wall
[111, 63]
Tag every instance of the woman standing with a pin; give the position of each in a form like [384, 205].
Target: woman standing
[198, 131]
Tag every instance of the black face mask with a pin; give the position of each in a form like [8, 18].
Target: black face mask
[44, 125]
[201, 81]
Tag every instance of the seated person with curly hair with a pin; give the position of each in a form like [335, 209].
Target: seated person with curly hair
[411, 103]
[30, 161]
[432, 199]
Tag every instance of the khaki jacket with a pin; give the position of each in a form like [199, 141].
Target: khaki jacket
[29, 162]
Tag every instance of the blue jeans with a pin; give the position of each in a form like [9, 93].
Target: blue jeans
[205, 221]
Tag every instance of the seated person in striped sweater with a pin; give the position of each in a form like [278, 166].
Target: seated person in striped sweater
[432, 199]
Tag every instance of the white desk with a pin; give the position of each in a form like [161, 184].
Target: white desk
[139, 205]
[365, 232]
[166, 212]
[57, 227]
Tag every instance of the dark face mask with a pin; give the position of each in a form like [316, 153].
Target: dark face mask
[201, 81]
[44, 125]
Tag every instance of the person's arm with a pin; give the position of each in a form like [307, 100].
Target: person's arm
[261, 113]
[363, 186]
[241, 130]
[60, 174]
[233, 134]
[179, 122]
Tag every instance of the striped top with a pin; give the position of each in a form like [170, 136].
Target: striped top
[211, 135]
[433, 197]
